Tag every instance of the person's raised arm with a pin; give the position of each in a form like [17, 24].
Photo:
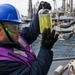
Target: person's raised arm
[44, 59]
[30, 33]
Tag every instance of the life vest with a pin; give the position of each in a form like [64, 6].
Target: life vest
[23, 55]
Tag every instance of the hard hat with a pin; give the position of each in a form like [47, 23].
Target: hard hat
[8, 13]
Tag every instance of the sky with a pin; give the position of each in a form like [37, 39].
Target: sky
[22, 5]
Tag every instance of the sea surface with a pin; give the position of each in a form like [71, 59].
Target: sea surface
[62, 48]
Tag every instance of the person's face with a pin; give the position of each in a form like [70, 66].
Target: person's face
[13, 29]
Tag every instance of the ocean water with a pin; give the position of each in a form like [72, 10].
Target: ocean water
[62, 48]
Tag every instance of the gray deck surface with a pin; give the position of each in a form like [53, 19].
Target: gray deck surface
[57, 63]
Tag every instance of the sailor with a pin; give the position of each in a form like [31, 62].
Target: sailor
[16, 55]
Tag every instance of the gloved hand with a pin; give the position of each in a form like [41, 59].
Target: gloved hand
[48, 39]
[44, 5]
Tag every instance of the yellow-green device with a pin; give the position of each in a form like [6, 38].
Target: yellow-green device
[45, 21]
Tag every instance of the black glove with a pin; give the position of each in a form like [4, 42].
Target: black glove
[48, 39]
[44, 5]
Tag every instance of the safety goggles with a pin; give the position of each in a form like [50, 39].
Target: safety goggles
[13, 28]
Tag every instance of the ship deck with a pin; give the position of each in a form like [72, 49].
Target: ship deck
[60, 61]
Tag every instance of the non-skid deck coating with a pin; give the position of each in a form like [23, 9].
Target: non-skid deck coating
[57, 62]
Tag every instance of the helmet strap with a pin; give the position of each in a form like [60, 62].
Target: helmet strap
[8, 33]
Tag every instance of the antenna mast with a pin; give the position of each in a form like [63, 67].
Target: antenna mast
[30, 9]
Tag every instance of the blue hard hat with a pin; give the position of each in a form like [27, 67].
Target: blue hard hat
[8, 13]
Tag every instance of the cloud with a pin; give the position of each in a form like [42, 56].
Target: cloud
[21, 5]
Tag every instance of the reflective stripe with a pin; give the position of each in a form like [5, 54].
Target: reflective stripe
[17, 51]
[21, 41]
